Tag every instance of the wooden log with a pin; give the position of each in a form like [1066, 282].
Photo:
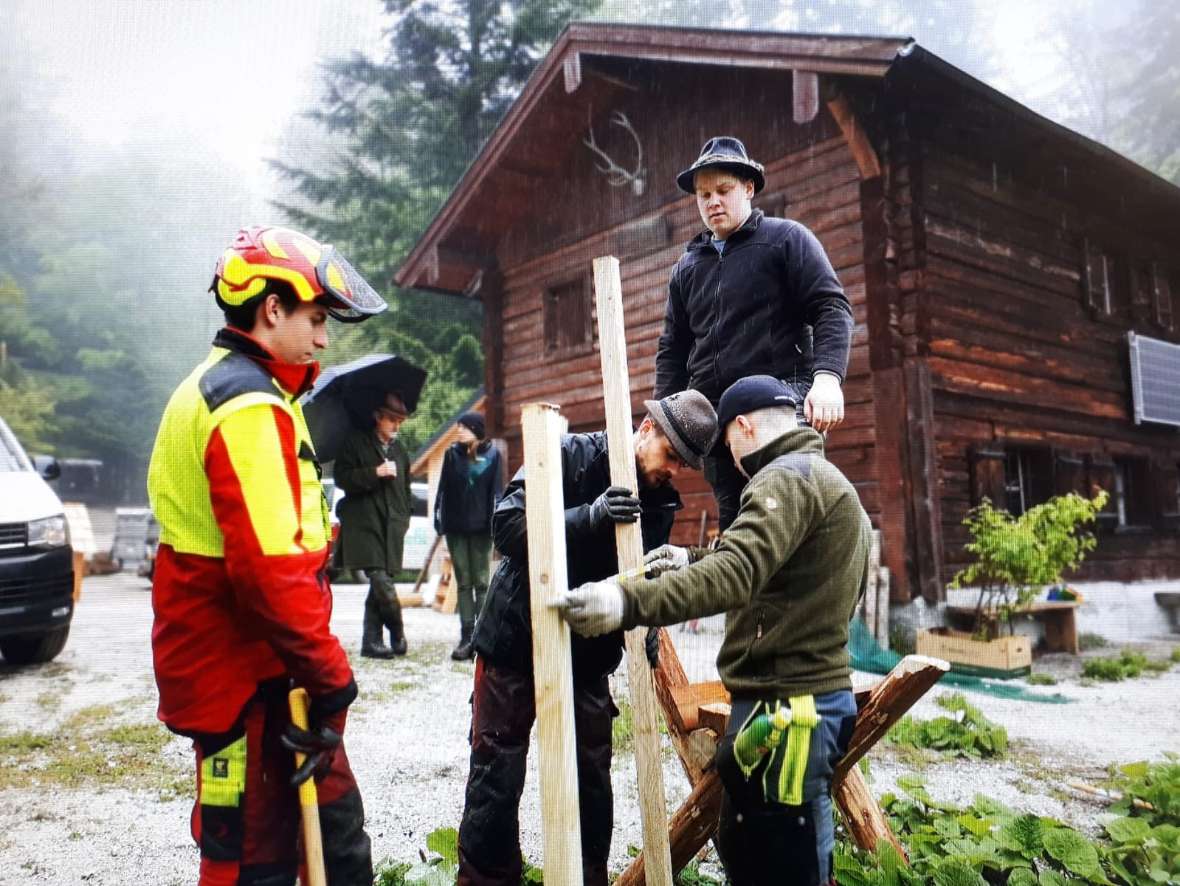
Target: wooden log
[426, 566]
[552, 662]
[888, 702]
[864, 819]
[692, 826]
[629, 544]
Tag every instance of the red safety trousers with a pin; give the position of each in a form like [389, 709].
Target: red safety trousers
[246, 820]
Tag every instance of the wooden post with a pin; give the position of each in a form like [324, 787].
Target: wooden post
[629, 543]
[553, 680]
[869, 604]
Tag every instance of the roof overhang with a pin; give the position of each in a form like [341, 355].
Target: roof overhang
[447, 258]
[434, 265]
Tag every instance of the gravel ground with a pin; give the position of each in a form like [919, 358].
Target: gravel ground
[120, 822]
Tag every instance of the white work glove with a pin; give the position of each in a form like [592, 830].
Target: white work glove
[665, 558]
[592, 609]
[824, 406]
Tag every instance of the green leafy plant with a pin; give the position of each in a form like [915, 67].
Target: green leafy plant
[1175, 656]
[988, 843]
[1088, 640]
[1017, 556]
[966, 732]
[440, 867]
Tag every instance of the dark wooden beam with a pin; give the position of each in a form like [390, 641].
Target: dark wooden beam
[858, 140]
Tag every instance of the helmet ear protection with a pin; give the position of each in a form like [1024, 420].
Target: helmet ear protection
[315, 272]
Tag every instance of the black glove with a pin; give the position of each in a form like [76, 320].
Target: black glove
[318, 744]
[617, 505]
[651, 645]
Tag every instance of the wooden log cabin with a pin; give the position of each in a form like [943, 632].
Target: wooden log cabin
[995, 262]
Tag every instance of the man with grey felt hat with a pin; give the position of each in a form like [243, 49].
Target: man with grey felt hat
[672, 438]
[751, 295]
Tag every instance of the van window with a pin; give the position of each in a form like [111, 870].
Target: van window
[10, 457]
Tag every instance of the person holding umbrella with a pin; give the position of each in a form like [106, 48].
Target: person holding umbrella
[240, 600]
[468, 488]
[373, 469]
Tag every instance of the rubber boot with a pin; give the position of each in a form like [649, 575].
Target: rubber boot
[466, 601]
[384, 591]
[464, 651]
[372, 642]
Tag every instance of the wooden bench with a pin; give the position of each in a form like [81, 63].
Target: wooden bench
[1061, 630]
[1170, 601]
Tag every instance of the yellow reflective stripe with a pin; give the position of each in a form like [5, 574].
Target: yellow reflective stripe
[244, 401]
[256, 454]
[223, 776]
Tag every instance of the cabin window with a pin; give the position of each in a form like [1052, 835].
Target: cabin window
[1132, 493]
[1161, 293]
[567, 317]
[1028, 479]
[1103, 280]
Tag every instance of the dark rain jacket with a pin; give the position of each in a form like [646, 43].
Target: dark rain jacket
[788, 572]
[503, 634]
[375, 511]
[750, 310]
[468, 490]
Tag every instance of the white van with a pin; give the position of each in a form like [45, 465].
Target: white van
[36, 560]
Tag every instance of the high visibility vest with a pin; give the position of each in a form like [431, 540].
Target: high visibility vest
[233, 396]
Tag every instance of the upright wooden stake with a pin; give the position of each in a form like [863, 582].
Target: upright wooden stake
[629, 543]
[553, 679]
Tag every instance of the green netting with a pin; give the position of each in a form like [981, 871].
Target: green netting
[866, 655]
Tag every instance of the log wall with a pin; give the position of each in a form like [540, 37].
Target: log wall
[1016, 356]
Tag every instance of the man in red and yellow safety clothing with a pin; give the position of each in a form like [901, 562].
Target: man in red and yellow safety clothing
[240, 596]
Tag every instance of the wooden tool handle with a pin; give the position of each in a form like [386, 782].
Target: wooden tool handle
[309, 805]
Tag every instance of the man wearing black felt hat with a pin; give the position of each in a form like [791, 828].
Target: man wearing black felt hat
[748, 297]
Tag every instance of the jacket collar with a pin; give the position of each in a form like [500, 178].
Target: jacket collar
[803, 439]
[749, 226]
[294, 378]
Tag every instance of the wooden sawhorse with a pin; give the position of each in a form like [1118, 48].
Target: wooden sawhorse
[696, 716]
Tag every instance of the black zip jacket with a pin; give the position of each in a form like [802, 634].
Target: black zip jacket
[467, 490]
[747, 311]
[503, 634]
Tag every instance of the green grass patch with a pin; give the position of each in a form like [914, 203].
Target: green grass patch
[87, 751]
[965, 732]
[1040, 678]
[1175, 656]
[622, 728]
[1125, 666]
[1088, 640]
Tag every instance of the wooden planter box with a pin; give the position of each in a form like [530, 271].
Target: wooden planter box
[1004, 657]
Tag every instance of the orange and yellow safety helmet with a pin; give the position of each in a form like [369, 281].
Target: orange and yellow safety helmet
[315, 271]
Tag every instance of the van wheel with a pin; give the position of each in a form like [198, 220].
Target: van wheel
[34, 648]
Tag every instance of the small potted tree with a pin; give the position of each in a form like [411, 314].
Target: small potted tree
[1015, 559]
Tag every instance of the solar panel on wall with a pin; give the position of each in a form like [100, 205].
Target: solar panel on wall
[1155, 379]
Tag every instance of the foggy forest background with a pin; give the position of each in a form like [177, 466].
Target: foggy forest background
[107, 244]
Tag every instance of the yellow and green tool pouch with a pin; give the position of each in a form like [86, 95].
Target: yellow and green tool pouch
[779, 761]
[222, 787]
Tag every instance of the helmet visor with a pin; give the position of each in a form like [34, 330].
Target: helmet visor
[353, 299]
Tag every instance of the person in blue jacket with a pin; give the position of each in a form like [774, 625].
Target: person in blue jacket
[468, 489]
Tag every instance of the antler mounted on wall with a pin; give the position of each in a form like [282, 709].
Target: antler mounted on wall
[616, 175]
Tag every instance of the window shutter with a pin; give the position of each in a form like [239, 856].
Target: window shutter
[1165, 484]
[1161, 295]
[1069, 472]
[987, 474]
[1094, 280]
[1100, 473]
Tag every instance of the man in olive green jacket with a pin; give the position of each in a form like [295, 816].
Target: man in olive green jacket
[373, 469]
[789, 572]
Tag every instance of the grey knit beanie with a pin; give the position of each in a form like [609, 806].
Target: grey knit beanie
[688, 421]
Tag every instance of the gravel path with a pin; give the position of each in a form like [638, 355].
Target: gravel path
[407, 739]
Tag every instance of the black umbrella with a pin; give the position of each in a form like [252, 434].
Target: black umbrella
[344, 397]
